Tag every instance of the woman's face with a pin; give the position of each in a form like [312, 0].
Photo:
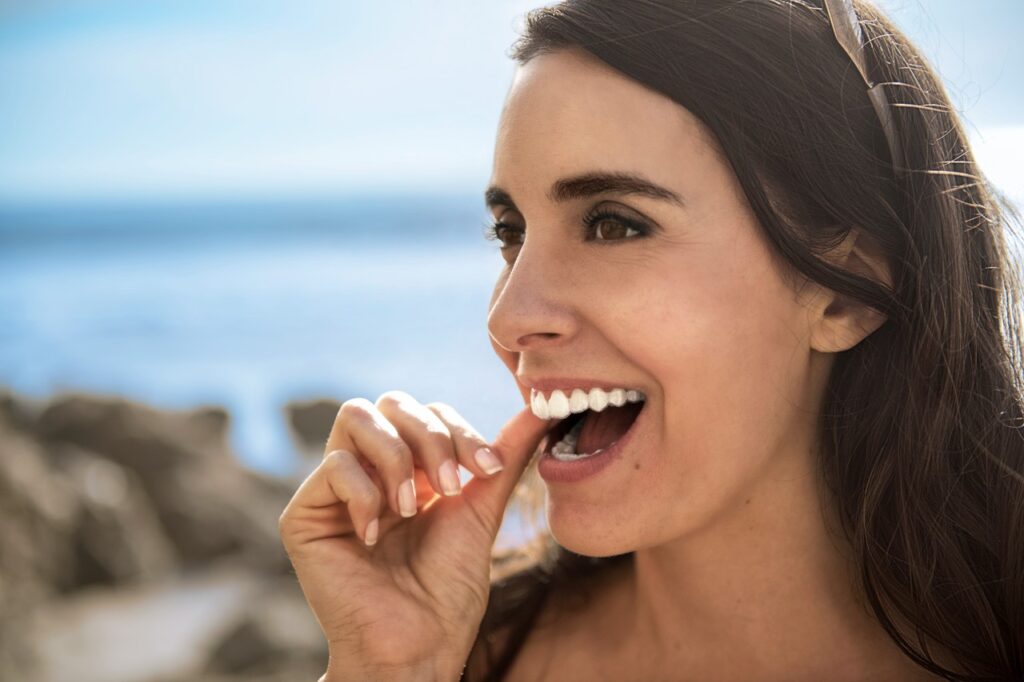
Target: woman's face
[691, 310]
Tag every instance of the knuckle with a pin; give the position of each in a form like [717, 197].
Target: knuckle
[438, 440]
[393, 398]
[399, 451]
[338, 462]
[335, 466]
[368, 498]
[355, 408]
[455, 422]
[373, 495]
[438, 406]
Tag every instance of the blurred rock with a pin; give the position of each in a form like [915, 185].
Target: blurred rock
[143, 632]
[118, 536]
[39, 510]
[19, 412]
[67, 521]
[276, 633]
[208, 503]
[134, 435]
[37, 515]
[310, 422]
[135, 546]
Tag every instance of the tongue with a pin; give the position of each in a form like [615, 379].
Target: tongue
[601, 429]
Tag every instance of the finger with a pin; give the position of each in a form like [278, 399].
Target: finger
[467, 441]
[339, 478]
[431, 442]
[360, 428]
[516, 443]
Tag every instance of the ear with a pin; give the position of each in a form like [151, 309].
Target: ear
[839, 322]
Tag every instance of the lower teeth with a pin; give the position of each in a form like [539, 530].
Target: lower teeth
[563, 450]
[572, 457]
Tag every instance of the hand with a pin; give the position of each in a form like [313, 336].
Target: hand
[402, 595]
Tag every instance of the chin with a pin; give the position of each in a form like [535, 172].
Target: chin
[589, 537]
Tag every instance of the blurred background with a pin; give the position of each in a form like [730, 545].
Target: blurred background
[218, 220]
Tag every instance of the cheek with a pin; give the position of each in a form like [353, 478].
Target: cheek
[723, 345]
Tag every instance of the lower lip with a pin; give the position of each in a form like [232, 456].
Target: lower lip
[556, 471]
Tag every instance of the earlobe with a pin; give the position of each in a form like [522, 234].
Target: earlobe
[840, 322]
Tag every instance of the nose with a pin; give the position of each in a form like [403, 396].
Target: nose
[531, 307]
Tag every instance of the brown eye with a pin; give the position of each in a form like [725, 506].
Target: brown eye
[608, 227]
[507, 235]
[613, 229]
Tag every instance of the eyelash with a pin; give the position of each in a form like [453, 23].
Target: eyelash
[493, 231]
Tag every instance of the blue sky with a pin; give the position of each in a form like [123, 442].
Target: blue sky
[194, 97]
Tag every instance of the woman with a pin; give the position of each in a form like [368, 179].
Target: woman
[765, 282]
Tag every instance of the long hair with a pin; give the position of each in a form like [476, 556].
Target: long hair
[923, 447]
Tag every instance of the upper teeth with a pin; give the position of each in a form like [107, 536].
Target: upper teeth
[559, 406]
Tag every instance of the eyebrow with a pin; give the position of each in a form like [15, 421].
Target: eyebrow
[588, 185]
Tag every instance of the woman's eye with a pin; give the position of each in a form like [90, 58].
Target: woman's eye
[613, 229]
[507, 235]
[607, 226]
[601, 226]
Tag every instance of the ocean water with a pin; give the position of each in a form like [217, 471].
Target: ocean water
[252, 304]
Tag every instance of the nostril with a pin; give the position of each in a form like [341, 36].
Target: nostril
[536, 337]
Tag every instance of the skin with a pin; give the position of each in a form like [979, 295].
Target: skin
[737, 575]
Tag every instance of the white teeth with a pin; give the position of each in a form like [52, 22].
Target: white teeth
[571, 456]
[559, 406]
[563, 448]
[578, 402]
[598, 399]
[539, 405]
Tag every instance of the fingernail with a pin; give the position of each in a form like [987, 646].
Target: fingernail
[488, 461]
[449, 476]
[371, 533]
[407, 498]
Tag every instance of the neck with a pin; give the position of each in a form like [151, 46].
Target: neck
[767, 588]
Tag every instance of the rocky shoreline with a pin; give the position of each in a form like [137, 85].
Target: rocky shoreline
[134, 546]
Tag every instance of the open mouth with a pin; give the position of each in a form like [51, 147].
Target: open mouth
[563, 426]
[587, 433]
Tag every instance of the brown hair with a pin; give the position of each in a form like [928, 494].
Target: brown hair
[923, 447]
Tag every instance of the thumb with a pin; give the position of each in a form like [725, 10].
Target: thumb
[515, 444]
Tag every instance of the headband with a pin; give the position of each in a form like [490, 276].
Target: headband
[846, 26]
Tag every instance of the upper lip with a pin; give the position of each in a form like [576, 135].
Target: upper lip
[549, 384]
